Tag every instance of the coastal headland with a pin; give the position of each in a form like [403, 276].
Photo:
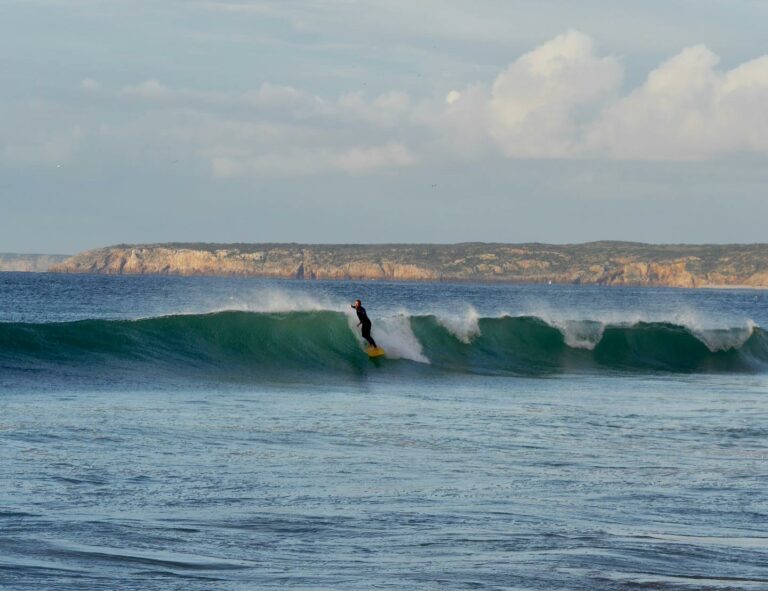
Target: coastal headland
[593, 263]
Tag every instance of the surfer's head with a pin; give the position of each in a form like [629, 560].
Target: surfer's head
[357, 304]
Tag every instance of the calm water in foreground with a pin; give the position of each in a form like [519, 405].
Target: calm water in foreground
[211, 433]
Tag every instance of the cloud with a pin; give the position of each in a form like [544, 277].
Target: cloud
[688, 110]
[562, 99]
[238, 149]
[533, 101]
[385, 110]
[272, 130]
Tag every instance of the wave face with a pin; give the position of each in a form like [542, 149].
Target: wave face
[235, 344]
[529, 345]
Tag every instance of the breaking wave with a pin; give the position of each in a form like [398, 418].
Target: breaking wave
[239, 343]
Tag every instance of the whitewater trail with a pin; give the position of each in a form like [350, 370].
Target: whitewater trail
[395, 336]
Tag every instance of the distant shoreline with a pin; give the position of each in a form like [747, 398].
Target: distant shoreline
[29, 263]
[730, 266]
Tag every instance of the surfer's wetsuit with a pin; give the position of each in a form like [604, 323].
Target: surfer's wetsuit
[366, 323]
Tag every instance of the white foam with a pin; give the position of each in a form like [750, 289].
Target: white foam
[580, 334]
[717, 335]
[464, 327]
[726, 339]
[394, 335]
[275, 301]
[584, 331]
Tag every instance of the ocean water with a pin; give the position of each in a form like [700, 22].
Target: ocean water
[216, 433]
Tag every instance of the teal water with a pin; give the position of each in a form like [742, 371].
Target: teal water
[169, 433]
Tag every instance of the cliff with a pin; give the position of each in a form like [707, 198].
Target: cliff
[601, 263]
[31, 263]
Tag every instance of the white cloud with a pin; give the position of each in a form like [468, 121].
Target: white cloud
[384, 110]
[533, 101]
[452, 97]
[560, 100]
[688, 110]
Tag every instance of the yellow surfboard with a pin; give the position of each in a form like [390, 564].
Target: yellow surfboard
[374, 351]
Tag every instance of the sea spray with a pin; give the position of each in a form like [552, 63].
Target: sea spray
[580, 334]
[464, 327]
[395, 335]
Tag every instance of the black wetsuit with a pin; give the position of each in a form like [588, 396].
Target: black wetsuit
[366, 323]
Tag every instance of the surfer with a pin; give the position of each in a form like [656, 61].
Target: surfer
[364, 321]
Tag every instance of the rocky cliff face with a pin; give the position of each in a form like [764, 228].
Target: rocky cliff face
[602, 263]
[29, 263]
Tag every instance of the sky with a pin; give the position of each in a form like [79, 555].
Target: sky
[338, 121]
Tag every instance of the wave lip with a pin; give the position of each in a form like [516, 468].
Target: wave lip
[239, 343]
[530, 345]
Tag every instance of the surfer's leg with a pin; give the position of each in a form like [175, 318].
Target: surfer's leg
[367, 336]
